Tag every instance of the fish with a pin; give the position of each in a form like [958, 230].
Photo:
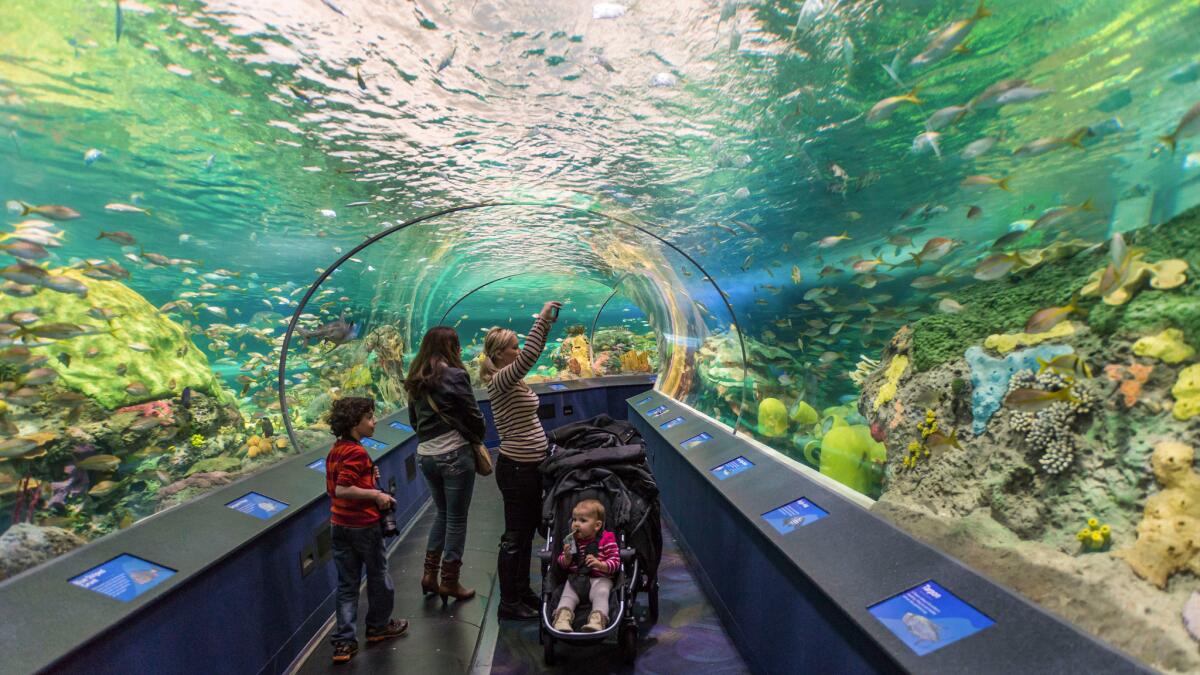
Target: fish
[974, 211]
[979, 180]
[358, 76]
[99, 463]
[90, 157]
[926, 142]
[1189, 125]
[979, 147]
[996, 266]
[603, 62]
[934, 249]
[65, 284]
[928, 281]
[60, 331]
[1070, 365]
[122, 238]
[102, 313]
[1022, 93]
[922, 628]
[25, 250]
[208, 165]
[117, 207]
[15, 447]
[24, 273]
[268, 429]
[939, 442]
[338, 332]
[950, 39]
[989, 98]
[136, 389]
[140, 347]
[831, 241]
[146, 423]
[156, 258]
[1032, 400]
[946, 117]
[949, 306]
[51, 211]
[110, 270]
[886, 107]
[1058, 213]
[102, 488]
[1045, 319]
[40, 376]
[332, 5]
[866, 265]
[185, 398]
[747, 262]
[120, 20]
[797, 277]
[65, 359]
[1049, 144]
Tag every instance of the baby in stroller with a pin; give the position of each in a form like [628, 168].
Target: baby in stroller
[591, 557]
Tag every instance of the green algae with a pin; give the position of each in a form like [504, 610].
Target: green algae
[1003, 306]
[171, 358]
[215, 464]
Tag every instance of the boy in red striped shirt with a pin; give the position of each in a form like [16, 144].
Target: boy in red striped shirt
[590, 555]
[355, 502]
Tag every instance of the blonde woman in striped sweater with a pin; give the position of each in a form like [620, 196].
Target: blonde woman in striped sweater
[523, 446]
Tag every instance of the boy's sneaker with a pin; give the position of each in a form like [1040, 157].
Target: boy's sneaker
[393, 629]
[344, 651]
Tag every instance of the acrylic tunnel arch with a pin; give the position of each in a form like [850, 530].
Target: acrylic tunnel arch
[294, 322]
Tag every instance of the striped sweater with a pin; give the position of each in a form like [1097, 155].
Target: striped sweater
[514, 405]
[607, 552]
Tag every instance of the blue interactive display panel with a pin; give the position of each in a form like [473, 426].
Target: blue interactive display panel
[373, 444]
[259, 506]
[655, 412]
[124, 577]
[318, 465]
[401, 426]
[732, 468]
[794, 514]
[557, 387]
[696, 440]
[671, 423]
[928, 617]
[645, 400]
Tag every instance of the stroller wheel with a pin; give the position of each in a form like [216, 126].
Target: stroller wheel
[652, 600]
[548, 650]
[627, 642]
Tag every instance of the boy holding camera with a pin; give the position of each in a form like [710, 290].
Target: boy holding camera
[356, 503]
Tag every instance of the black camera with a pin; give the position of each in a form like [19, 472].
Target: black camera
[388, 523]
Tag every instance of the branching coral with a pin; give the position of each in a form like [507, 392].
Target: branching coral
[1049, 431]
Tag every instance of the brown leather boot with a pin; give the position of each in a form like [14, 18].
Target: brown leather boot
[449, 585]
[429, 580]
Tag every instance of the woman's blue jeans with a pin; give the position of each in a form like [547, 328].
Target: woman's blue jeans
[451, 479]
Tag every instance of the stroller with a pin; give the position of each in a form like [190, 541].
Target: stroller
[611, 468]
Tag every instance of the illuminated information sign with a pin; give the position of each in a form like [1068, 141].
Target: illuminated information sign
[929, 617]
[259, 506]
[124, 577]
[732, 468]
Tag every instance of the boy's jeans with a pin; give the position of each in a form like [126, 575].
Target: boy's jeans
[451, 479]
[353, 549]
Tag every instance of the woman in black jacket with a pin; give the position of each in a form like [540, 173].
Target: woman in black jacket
[441, 404]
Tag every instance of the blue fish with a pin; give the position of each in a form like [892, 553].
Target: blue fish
[331, 5]
[186, 397]
[120, 21]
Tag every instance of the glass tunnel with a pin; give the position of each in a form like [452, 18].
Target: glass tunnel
[942, 254]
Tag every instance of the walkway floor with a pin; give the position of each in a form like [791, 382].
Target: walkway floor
[467, 637]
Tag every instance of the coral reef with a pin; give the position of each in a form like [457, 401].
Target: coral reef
[892, 375]
[863, 369]
[772, 418]
[1007, 342]
[1095, 537]
[1168, 538]
[1162, 275]
[1049, 432]
[850, 456]
[152, 355]
[1168, 347]
[1187, 393]
[24, 545]
[635, 361]
[1130, 387]
[990, 377]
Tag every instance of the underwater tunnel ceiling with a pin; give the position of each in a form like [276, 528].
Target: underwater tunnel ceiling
[941, 251]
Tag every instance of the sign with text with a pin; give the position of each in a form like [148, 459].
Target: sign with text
[696, 440]
[671, 423]
[400, 426]
[655, 412]
[259, 506]
[373, 444]
[732, 468]
[318, 465]
[929, 617]
[124, 577]
[645, 400]
[558, 387]
[794, 514]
